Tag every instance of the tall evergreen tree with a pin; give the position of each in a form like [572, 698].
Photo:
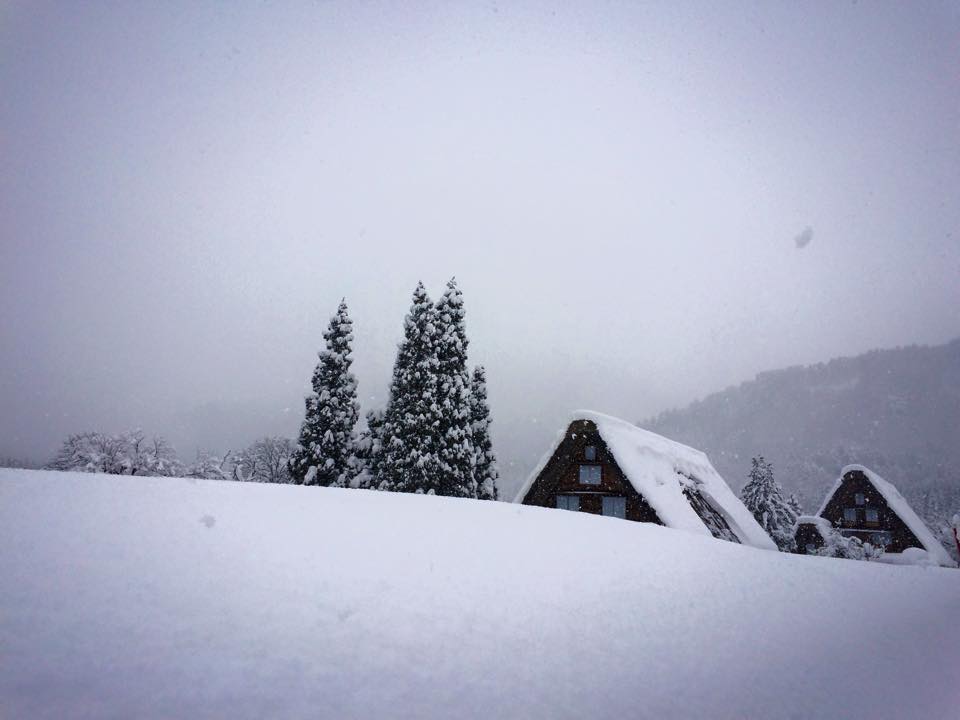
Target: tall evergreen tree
[763, 497]
[326, 447]
[408, 459]
[455, 451]
[485, 462]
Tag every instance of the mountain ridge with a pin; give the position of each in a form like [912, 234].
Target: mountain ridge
[895, 410]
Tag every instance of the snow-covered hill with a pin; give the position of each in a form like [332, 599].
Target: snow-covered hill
[150, 597]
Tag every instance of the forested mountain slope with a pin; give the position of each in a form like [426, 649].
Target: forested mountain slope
[896, 411]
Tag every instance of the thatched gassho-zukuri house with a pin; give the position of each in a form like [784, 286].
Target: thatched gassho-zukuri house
[862, 504]
[607, 466]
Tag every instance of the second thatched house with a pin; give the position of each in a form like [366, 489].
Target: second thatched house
[863, 505]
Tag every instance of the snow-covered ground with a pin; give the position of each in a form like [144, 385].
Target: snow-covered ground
[151, 597]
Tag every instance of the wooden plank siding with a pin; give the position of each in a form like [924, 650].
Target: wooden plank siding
[807, 534]
[561, 476]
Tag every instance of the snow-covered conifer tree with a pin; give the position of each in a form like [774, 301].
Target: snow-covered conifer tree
[485, 462]
[455, 452]
[407, 459]
[325, 451]
[763, 497]
[368, 451]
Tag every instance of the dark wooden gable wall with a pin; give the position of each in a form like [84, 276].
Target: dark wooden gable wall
[888, 521]
[807, 538]
[561, 476]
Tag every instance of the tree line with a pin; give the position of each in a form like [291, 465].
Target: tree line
[132, 453]
[432, 437]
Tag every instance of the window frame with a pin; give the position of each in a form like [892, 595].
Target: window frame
[599, 474]
[608, 499]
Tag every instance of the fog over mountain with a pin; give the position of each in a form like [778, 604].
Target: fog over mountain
[896, 411]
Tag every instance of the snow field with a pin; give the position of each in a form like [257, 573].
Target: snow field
[159, 597]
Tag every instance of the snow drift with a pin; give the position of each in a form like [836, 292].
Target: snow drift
[159, 597]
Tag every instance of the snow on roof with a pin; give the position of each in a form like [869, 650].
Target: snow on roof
[901, 507]
[823, 525]
[658, 469]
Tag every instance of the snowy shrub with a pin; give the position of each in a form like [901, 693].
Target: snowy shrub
[837, 545]
[154, 457]
[211, 467]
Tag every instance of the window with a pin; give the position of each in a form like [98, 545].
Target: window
[615, 507]
[590, 453]
[811, 548]
[568, 502]
[849, 515]
[590, 474]
[872, 515]
[859, 499]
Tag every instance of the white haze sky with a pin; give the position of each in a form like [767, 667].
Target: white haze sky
[188, 189]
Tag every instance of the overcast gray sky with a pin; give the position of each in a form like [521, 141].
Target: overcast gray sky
[187, 190]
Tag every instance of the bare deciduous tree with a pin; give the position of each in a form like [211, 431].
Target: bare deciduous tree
[265, 461]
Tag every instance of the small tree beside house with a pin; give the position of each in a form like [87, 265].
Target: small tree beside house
[763, 497]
